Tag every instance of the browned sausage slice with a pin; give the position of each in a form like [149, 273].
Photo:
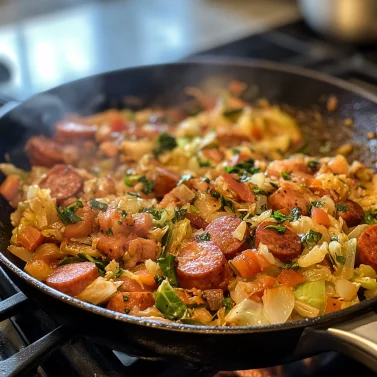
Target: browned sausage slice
[367, 247]
[221, 230]
[123, 302]
[165, 181]
[350, 212]
[72, 279]
[143, 249]
[291, 195]
[44, 152]
[285, 247]
[143, 224]
[63, 181]
[82, 228]
[71, 131]
[202, 265]
[196, 220]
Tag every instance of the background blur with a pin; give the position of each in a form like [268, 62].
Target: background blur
[44, 43]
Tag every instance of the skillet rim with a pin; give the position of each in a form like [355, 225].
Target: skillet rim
[186, 328]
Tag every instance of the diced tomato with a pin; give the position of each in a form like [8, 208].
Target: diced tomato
[290, 278]
[333, 305]
[30, 238]
[117, 123]
[9, 188]
[263, 262]
[320, 216]
[213, 154]
[261, 284]
[240, 188]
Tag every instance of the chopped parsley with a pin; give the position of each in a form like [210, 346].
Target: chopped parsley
[95, 204]
[236, 150]
[340, 259]
[67, 215]
[296, 213]
[243, 167]
[274, 185]
[127, 180]
[126, 310]
[227, 203]
[279, 228]
[109, 232]
[341, 207]
[156, 213]
[159, 279]
[370, 217]
[135, 194]
[311, 238]
[215, 194]
[206, 180]
[204, 164]
[99, 262]
[184, 178]
[204, 237]
[232, 112]
[125, 298]
[280, 217]
[123, 213]
[333, 238]
[285, 175]
[79, 204]
[120, 222]
[179, 214]
[148, 186]
[290, 266]
[165, 142]
[313, 164]
[227, 304]
[316, 204]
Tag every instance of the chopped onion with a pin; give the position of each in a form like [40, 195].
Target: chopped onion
[345, 289]
[99, 291]
[349, 251]
[306, 310]
[263, 250]
[239, 232]
[246, 313]
[318, 272]
[314, 256]
[151, 266]
[21, 252]
[278, 303]
[183, 193]
[356, 232]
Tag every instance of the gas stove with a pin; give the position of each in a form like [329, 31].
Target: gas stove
[28, 335]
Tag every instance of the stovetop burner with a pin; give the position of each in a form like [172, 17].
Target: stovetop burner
[27, 333]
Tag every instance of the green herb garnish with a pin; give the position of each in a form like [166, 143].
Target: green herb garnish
[156, 213]
[68, 215]
[215, 194]
[280, 217]
[179, 214]
[285, 175]
[274, 185]
[109, 232]
[135, 194]
[259, 191]
[165, 142]
[341, 207]
[227, 304]
[313, 164]
[125, 298]
[340, 259]
[311, 238]
[79, 204]
[290, 266]
[204, 164]
[148, 186]
[123, 213]
[206, 180]
[95, 204]
[296, 213]
[316, 204]
[242, 167]
[370, 217]
[227, 203]
[204, 237]
[279, 228]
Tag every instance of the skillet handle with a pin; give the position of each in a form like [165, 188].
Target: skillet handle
[356, 338]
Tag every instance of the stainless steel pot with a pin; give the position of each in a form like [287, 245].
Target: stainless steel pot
[350, 21]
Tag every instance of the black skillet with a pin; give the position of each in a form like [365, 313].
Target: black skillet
[353, 330]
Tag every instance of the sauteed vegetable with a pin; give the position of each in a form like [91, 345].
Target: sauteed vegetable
[208, 217]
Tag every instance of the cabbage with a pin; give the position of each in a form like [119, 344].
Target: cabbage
[112, 269]
[10, 169]
[175, 235]
[278, 303]
[312, 293]
[345, 289]
[356, 232]
[247, 313]
[318, 272]
[75, 248]
[305, 310]
[366, 270]
[346, 270]
[314, 256]
[20, 252]
[99, 291]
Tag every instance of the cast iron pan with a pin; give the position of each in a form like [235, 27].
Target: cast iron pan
[353, 330]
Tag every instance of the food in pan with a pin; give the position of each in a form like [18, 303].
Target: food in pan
[206, 218]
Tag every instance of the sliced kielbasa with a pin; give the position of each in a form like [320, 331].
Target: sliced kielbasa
[202, 265]
[124, 302]
[82, 228]
[350, 212]
[63, 181]
[291, 195]
[72, 279]
[284, 246]
[165, 181]
[367, 247]
[221, 232]
[72, 131]
[44, 152]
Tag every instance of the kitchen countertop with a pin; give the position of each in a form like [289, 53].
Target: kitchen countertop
[45, 43]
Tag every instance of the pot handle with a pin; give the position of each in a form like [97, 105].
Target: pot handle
[7, 104]
[356, 338]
